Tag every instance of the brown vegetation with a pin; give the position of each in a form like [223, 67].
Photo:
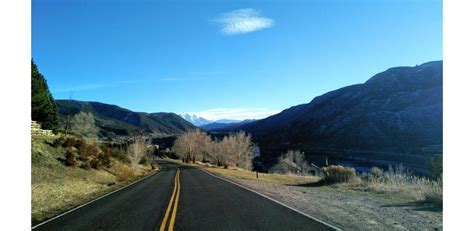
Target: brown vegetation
[57, 185]
[137, 150]
[338, 174]
[232, 150]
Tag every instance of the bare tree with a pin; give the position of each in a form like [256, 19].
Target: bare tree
[137, 150]
[293, 161]
[83, 124]
[232, 150]
[191, 146]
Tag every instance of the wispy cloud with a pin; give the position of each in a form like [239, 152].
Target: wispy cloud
[84, 87]
[234, 113]
[243, 21]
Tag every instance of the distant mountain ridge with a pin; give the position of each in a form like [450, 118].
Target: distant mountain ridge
[195, 120]
[202, 122]
[396, 111]
[219, 126]
[115, 121]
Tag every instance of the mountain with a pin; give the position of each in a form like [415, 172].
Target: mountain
[200, 121]
[221, 127]
[394, 116]
[195, 120]
[115, 121]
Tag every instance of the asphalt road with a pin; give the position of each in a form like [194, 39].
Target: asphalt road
[183, 198]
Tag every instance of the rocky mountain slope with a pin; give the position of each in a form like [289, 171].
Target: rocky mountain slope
[395, 115]
[195, 120]
[115, 121]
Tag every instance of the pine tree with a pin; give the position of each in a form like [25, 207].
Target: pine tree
[43, 107]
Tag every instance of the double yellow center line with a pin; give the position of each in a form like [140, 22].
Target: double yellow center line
[175, 199]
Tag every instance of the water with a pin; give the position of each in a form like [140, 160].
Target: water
[357, 166]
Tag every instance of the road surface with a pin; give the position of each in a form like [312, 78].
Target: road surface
[179, 197]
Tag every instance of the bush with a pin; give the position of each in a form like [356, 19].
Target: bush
[95, 163]
[71, 142]
[70, 158]
[436, 166]
[88, 154]
[116, 152]
[434, 193]
[123, 172]
[104, 159]
[338, 174]
[58, 142]
[145, 160]
[88, 151]
[376, 175]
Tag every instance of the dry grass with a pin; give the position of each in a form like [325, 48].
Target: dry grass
[287, 179]
[400, 184]
[56, 188]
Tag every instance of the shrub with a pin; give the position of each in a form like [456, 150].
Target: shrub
[116, 152]
[123, 172]
[137, 150]
[435, 166]
[434, 192]
[338, 174]
[71, 142]
[376, 175]
[88, 151]
[70, 158]
[145, 160]
[88, 154]
[104, 159]
[58, 142]
[95, 163]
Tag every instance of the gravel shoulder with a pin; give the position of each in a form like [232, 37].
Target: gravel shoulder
[350, 209]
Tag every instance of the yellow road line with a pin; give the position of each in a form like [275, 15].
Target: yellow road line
[175, 208]
[165, 219]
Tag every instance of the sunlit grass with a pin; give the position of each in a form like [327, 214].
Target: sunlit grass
[56, 188]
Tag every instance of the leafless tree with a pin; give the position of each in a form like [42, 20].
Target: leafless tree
[293, 161]
[83, 124]
[192, 146]
[232, 150]
[137, 150]
[241, 144]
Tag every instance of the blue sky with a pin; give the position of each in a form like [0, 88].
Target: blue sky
[232, 59]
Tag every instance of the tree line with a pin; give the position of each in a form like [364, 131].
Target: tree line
[43, 107]
[232, 150]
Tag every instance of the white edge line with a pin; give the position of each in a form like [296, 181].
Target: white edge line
[96, 199]
[278, 202]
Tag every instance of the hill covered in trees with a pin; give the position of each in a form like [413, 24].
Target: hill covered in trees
[114, 121]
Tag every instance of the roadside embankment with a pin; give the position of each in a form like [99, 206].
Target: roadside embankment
[56, 188]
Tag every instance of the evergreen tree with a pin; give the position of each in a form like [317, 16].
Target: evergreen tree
[43, 107]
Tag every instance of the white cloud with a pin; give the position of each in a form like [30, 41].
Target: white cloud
[234, 113]
[243, 21]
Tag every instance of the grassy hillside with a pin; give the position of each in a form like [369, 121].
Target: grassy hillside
[56, 187]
